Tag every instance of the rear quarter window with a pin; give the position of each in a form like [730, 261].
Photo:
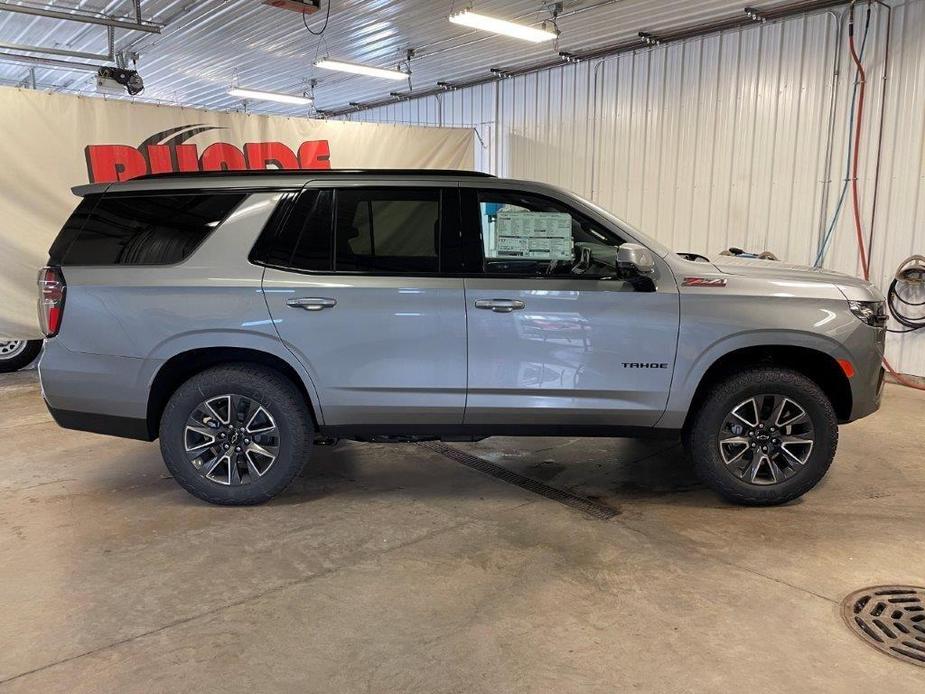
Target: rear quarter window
[140, 229]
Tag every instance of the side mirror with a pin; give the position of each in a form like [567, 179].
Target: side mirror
[632, 256]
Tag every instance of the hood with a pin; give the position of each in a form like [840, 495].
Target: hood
[853, 288]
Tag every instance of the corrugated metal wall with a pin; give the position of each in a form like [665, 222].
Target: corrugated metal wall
[721, 140]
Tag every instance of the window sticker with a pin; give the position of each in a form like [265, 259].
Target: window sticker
[539, 235]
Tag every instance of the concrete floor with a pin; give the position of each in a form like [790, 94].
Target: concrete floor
[393, 568]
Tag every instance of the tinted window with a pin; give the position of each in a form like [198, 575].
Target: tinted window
[72, 227]
[313, 250]
[140, 229]
[387, 230]
[275, 244]
[527, 234]
[299, 235]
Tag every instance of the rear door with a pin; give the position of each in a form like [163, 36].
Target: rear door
[355, 288]
[552, 340]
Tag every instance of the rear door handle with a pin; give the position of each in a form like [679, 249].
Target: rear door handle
[500, 305]
[312, 303]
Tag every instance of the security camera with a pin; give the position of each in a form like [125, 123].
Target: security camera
[111, 80]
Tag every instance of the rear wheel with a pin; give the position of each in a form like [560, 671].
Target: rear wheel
[17, 354]
[236, 435]
[764, 436]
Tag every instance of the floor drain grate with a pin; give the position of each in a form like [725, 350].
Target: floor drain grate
[574, 501]
[891, 619]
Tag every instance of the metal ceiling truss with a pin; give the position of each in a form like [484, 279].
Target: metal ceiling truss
[136, 24]
[111, 24]
[48, 62]
[643, 41]
[479, 71]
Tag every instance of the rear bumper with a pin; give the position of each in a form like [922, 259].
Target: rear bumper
[101, 393]
[111, 425]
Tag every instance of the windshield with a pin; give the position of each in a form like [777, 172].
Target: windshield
[645, 240]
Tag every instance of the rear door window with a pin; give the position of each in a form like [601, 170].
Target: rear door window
[140, 229]
[388, 230]
[301, 238]
[376, 231]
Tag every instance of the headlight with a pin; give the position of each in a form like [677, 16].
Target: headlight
[871, 312]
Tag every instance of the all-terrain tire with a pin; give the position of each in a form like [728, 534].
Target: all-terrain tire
[703, 435]
[262, 385]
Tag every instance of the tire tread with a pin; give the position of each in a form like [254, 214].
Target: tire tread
[286, 397]
[701, 434]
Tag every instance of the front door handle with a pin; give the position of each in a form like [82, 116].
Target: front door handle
[500, 305]
[312, 303]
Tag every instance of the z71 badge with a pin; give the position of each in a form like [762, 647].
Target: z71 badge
[703, 282]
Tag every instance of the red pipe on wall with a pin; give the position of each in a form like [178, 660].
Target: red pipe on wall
[856, 204]
[865, 259]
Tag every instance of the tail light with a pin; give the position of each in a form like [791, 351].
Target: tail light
[51, 300]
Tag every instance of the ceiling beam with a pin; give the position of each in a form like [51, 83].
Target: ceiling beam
[55, 51]
[48, 62]
[83, 18]
[738, 21]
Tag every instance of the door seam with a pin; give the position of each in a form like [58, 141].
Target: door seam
[319, 410]
[466, 318]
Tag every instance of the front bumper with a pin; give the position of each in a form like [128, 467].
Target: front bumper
[866, 346]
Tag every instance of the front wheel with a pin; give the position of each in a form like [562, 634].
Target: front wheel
[764, 436]
[236, 435]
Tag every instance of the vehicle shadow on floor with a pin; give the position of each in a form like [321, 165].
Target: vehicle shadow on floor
[606, 471]
[609, 472]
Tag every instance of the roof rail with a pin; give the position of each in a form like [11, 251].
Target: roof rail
[311, 172]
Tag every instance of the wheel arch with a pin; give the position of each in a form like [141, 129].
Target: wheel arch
[183, 365]
[821, 368]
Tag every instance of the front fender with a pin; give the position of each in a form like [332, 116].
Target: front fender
[691, 368]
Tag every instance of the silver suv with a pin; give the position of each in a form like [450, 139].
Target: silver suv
[241, 316]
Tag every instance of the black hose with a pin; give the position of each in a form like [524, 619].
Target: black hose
[327, 16]
[912, 323]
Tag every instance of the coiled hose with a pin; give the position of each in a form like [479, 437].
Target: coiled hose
[913, 275]
[910, 272]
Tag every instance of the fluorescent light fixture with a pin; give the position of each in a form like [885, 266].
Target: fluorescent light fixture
[269, 96]
[501, 26]
[358, 69]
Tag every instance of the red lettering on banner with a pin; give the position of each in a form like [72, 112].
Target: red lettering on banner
[222, 157]
[187, 158]
[159, 159]
[110, 163]
[315, 154]
[263, 155]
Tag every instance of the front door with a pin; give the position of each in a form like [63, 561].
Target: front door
[356, 294]
[555, 336]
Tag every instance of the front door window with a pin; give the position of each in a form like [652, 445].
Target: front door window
[524, 234]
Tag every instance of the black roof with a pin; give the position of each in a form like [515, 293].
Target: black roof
[312, 172]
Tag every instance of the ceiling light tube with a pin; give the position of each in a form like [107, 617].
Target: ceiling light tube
[501, 26]
[358, 69]
[269, 96]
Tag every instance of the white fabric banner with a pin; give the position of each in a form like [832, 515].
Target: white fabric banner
[52, 142]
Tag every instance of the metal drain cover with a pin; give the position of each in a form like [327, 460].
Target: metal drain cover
[891, 619]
